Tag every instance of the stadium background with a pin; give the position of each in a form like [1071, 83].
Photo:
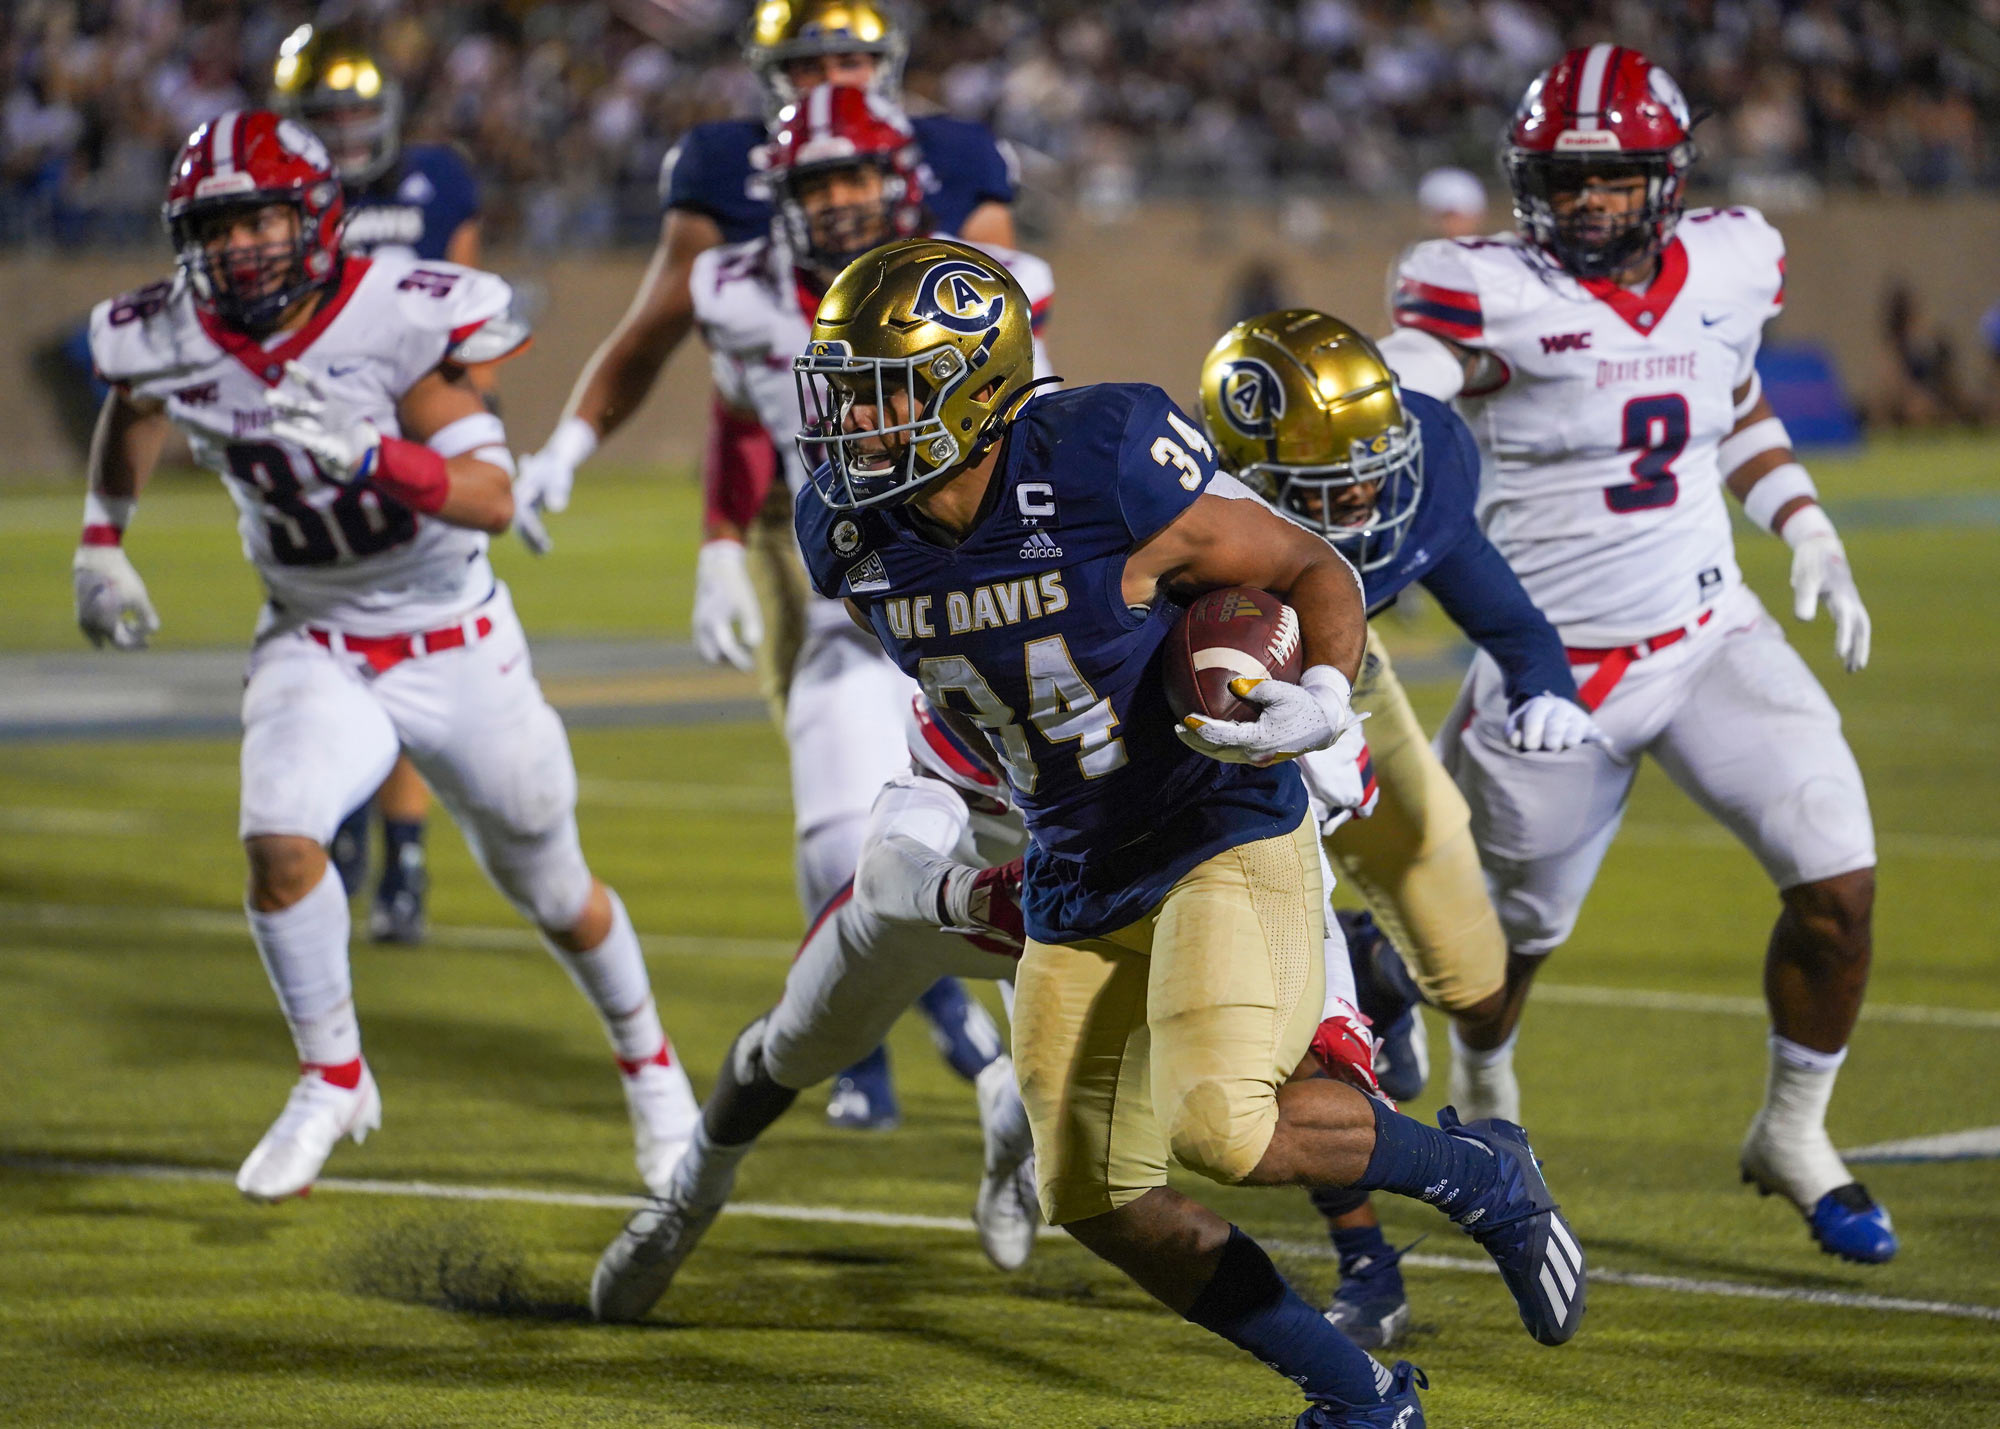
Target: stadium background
[1177, 158]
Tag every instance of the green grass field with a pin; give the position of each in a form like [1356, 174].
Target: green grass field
[136, 1028]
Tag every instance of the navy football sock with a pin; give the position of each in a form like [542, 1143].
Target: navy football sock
[1412, 1159]
[403, 861]
[1358, 1246]
[949, 1007]
[1331, 1201]
[1249, 1305]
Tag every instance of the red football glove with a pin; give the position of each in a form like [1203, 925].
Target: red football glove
[1346, 1049]
[993, 906]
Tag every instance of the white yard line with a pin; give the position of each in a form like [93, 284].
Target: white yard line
[214, 922]
[885, 1220]
[1979, 1144]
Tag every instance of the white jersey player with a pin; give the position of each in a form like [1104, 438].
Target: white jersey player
[1604, 359]
[843, 170]
[330, 394]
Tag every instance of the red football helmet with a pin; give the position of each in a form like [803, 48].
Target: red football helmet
[243, 160]
[1602, 112]
[840, 127]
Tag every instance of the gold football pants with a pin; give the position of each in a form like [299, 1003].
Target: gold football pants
[1413, 861]
[1169, 1038]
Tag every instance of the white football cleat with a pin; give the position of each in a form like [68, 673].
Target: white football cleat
[664, 1113]
[1006, 1212]
[636, 1268]
[316, 1115]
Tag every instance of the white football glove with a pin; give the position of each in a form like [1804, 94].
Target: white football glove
[1294, 720]
[547, 477]
[112, 607]
[1820, 573]
[1335, 780]
[343, 446]
[728, 624]
[1549, 724]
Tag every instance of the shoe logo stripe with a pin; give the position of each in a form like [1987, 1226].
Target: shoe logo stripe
[1556, 1301]
[1562, 1237]
[1555, 1263]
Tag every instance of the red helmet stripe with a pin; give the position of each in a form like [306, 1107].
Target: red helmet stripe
[1593, 85]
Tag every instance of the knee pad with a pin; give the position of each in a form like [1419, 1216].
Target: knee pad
[1218, 1132]
[824, 859]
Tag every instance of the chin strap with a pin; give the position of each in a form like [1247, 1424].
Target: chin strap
[996, 425]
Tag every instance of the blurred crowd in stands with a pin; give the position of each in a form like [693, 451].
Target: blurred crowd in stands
[567, 109]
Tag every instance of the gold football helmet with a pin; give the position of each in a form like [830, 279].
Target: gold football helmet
[1305, 412]
[785, 30]
[928, 343]
[328, 78]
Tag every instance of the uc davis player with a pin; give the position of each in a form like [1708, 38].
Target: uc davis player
[419, 200]
[1304, 411]
[1023, 557]
[936, 892]
[749, 588]
[328, 391]
[1604, 355]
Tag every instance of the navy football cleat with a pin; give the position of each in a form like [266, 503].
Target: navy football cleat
[864, 1096]
[1518, 1224]
[1370, 1306]
[349, 849]
[1399, 1410]
[1387, 996]
[1847, 1222]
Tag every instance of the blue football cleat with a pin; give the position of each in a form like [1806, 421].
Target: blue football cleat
[1398, 1410]
[1402, 1057]
[1518, 1224]
[1847, 1222]
[1370, 1306]
[864, 1096]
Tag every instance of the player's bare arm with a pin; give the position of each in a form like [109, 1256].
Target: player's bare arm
[992, 222]
[481, 490]
[112, 607]
[131, 431]
[1219, 543]
[623, 369]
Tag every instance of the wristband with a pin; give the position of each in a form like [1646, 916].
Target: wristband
[1752, 397]
[1753, 441]
[411, 473]
[481, 429]
[1773, 489]
[105, 518]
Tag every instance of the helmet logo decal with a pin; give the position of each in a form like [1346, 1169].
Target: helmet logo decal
[303, 142]
[960, 296]
[1668, 94]
[1253, 399]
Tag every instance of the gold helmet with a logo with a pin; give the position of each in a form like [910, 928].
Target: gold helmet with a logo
[329, 78]
[929, 345]
[1305, 412]
[785, 30]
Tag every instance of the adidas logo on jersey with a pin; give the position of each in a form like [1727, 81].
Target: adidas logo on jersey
[870, 575]
[1040, 547]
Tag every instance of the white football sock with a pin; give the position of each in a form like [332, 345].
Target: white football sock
[304, 948]
[1788, 1146]
[613, 976]
[708, 1171]
[1483, 1082]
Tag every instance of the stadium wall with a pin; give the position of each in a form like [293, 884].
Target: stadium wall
[1140, 299]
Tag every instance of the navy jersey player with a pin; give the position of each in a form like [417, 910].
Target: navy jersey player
[1023, 557]
[418, 201]
[1303, 409]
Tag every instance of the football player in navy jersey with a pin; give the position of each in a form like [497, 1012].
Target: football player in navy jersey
[1304, 411]
[421, 200]
[748, 581]
[1023, 556]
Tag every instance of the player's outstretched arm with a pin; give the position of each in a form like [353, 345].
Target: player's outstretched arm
[446, 413]
[112, 607]
[1778, 494]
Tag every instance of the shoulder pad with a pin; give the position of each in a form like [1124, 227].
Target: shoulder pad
[1746, 245]
[468, 307]
[142, 333]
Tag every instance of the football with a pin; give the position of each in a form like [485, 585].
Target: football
[1225, 635]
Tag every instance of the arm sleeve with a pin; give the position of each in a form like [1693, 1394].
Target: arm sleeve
[1476, 587]
[1164, 465]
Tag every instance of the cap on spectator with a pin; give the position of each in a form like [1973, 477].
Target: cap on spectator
[1443, 191]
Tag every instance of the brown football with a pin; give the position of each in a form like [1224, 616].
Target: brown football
[1225, 635]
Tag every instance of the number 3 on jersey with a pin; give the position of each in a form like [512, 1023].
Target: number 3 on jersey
[1061, 706]
[1657, 429]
